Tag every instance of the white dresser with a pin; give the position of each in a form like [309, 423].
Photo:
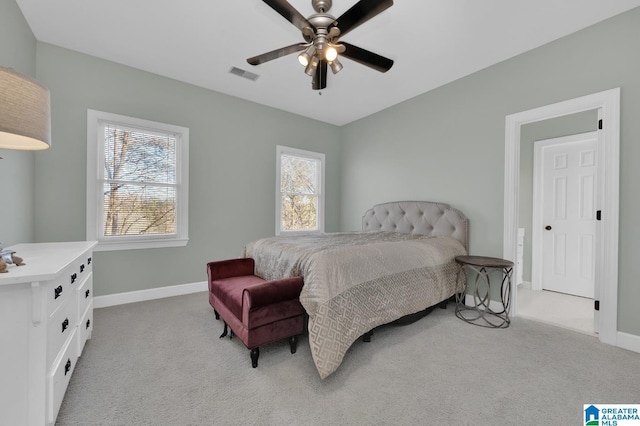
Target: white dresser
[46, 316]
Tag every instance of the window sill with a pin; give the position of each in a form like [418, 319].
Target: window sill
[137, 245]
[317, 231]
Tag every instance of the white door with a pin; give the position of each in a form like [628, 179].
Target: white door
[569, 215]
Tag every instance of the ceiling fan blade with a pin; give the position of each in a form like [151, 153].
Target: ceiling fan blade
[360, 13]
[289, 13]
[367, 58]
[319, 81]
[275, 54]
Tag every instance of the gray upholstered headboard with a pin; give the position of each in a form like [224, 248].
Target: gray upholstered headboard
[418, 217]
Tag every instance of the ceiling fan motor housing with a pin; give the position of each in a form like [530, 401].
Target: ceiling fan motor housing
[321, 37]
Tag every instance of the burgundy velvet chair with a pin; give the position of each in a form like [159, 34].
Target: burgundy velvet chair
[257, 311]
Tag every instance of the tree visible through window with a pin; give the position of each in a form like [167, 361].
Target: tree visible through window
[300, 184]
[139, 185]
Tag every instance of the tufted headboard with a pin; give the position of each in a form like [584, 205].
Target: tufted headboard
[418, 217]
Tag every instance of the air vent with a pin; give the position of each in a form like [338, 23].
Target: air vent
[242, 73]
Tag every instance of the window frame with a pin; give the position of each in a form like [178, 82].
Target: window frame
[317, 156]
[95, 180]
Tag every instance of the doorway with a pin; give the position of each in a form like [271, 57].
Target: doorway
[606, 246]
[557, 215]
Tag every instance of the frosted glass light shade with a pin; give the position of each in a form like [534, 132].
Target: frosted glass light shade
[331, 54]
[313, 65]
[25, 118]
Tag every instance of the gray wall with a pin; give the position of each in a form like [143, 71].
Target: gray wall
[231, 169]
[448, 144]
[573, 124]
[17, 51]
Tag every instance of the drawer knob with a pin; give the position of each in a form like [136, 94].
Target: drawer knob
[87, 293]
[89, 261]
[57, 292]
[74, 277]
[82, 268]
[65, 324]
[88, 323]
[67, 367]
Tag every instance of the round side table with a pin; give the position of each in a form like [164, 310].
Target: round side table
[480, 313]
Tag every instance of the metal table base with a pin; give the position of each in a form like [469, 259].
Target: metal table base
[480, 313]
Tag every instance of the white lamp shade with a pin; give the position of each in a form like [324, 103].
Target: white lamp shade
[25, 118]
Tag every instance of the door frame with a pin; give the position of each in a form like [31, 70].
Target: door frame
[608, 105]
[537, 234]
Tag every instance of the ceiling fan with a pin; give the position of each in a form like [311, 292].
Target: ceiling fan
[322, 33]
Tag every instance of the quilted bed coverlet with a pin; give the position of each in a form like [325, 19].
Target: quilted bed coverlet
[355, 281]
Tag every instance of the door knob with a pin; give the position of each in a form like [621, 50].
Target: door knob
[548, 228]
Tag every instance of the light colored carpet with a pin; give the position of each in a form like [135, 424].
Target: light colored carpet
[161, 363]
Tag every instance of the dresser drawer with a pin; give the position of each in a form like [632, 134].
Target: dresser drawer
[85, 295]
[61, 288]
[59, 377]
[57, 292]
[84, 266]
[76, 273]
[85, 327]
[60, 327]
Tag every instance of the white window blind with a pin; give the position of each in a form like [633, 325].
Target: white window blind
[300, 203]
[139, 182]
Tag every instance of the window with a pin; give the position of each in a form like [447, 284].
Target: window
[137, 182]
[299, 191]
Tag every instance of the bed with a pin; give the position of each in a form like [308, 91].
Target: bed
[401, 263]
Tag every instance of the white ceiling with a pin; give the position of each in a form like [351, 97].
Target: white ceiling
[432, 43]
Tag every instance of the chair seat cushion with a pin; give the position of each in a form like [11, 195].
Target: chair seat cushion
[229, 291]
[273, 313]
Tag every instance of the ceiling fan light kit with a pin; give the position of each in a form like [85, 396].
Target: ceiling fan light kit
[305, 57]
[312, 66]
[336, 66]
[322, 32]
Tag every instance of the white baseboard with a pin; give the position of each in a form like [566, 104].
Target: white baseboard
[150, 294]
[525, 284]
[627, 341]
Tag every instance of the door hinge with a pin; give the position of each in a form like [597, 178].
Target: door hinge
[596, 305]
[600, 124]
[599, 215]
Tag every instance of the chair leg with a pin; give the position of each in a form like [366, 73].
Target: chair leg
[293, 344]
[217, 314]
[255, 353]
[224, 333]
[366, 337]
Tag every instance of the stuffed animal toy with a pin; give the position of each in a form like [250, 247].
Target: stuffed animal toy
[8, 256]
